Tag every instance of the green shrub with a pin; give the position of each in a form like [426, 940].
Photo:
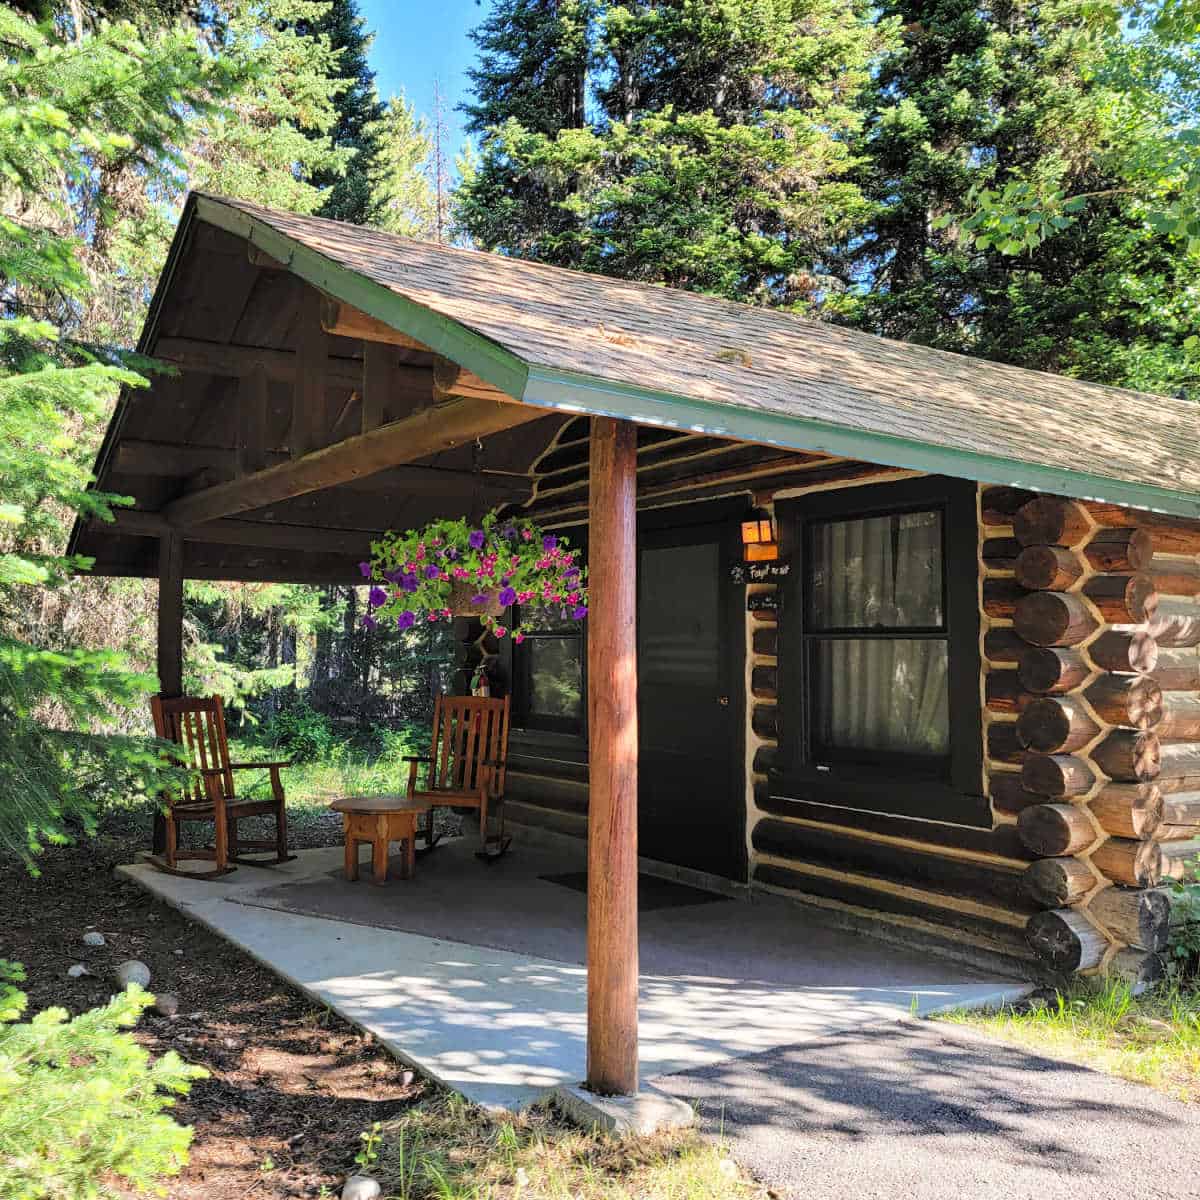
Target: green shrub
[1184, 945]
[81, 1104]
[301, 733]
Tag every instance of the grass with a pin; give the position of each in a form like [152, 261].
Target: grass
[1152, 1038]
[448, 1150]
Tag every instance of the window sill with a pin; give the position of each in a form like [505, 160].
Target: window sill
[912, 796]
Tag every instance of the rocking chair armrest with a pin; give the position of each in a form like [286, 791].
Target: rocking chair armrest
[251, 766]
[417, 758]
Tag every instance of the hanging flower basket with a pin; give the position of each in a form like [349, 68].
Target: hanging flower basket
[459, 568]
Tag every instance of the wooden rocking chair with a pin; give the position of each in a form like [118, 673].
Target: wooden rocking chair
[466, 764]
[197, 726]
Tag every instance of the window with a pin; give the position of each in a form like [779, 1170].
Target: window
[876, 637]
[548, 675]
[879, 656]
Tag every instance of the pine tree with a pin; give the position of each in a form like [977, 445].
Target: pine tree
[402, 190]
[532, 66]
[976, 100]
[355, 129]
[716, 159]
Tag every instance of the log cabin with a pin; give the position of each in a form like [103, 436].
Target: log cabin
[904, 634]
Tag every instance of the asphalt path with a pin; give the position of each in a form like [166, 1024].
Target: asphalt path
[922, 1111]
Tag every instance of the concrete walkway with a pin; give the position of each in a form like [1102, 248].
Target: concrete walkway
[720, 980]
[929, 1112]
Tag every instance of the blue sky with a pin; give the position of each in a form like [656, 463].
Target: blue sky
[417, 42]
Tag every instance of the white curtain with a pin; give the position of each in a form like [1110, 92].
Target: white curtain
[885, 693]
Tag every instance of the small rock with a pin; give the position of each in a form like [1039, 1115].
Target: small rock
[94, 938]
[132, 971]
[361, 1187]
[231, 1043]
[166, 1004]
[728, 1168]
[78, 971]
[196, 1016]
[177, 953]
[406, 1078]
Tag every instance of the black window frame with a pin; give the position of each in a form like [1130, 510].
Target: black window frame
[943, 788]
[520, 662]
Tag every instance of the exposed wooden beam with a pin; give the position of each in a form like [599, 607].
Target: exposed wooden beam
[161, 459]
[216, 358]
[449, 379]
[346, 321]
[309, 429]
[612, 912]
[260, 258]
[379, 361]
[170, 615]
[431, 431]
[232, 532]
[253, 399]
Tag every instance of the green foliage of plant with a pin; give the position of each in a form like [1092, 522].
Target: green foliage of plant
[301, 733]
[716, 158]
[511, 561]
[403, 198]
[82, 1106]
[1183, 946]
[75, 108]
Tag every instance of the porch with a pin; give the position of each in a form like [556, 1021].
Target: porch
[475, 974]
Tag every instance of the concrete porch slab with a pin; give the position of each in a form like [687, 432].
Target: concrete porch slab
[506, 1029]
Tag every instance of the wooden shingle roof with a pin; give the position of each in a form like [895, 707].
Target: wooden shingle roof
[590, 344]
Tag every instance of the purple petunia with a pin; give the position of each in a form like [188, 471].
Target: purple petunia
[377, 597]
[549, 542]
[451, 552]
[365, 569]
[369, 622]
[570, 572]
[406, 620]
[476, 539]
[409, 583]
[432, 572]
[507, 596]
[394, 575]
[579, 612]
[508, 532]
[479, 601]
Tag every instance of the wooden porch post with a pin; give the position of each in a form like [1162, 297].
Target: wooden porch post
[612, 939]
[170, 638]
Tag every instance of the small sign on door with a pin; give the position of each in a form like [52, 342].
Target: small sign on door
[760, 572]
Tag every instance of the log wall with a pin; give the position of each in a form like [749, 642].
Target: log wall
[1091, 690]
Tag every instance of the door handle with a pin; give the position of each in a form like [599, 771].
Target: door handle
[723, 701]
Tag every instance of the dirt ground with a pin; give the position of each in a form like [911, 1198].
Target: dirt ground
[291, 1086]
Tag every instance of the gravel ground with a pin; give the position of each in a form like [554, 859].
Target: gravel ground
[920, 1112]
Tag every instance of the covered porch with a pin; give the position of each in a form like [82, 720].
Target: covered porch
[477, 976]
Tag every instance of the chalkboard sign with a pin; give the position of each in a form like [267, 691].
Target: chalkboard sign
[760, 572]
[763, 602]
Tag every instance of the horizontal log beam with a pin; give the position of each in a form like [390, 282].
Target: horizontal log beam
[1129, 810]
[165, 460]
[1137, 918]
[1057, 882]
[1066, 940]
[1053, 829]
[232, 532]
[449, 379]
[344, 320]
[218, 358]
[430, 431]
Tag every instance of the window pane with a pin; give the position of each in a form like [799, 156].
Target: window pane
[881, 694]
[877, 572]
[555, 676]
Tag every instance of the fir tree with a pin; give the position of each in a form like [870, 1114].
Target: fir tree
[533, 61]
[402, 188]
[358, 112]
[973, 102]
[716, 159]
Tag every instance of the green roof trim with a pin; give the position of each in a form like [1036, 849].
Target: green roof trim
[595, 397]
[442, 334]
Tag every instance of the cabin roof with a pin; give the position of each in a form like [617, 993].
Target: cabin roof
[589, 344]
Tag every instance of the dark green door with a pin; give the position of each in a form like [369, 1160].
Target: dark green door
[690, 645]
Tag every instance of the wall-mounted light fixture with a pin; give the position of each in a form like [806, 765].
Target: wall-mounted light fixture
[758, 537]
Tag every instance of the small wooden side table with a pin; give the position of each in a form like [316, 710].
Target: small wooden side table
[379, 820]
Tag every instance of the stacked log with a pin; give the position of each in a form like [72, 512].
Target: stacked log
[1092, 692]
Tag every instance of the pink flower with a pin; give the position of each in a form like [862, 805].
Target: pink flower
[499, 630]
[518, 636]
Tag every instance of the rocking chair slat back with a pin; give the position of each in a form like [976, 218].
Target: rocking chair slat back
[197, 726]
[470, 734]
